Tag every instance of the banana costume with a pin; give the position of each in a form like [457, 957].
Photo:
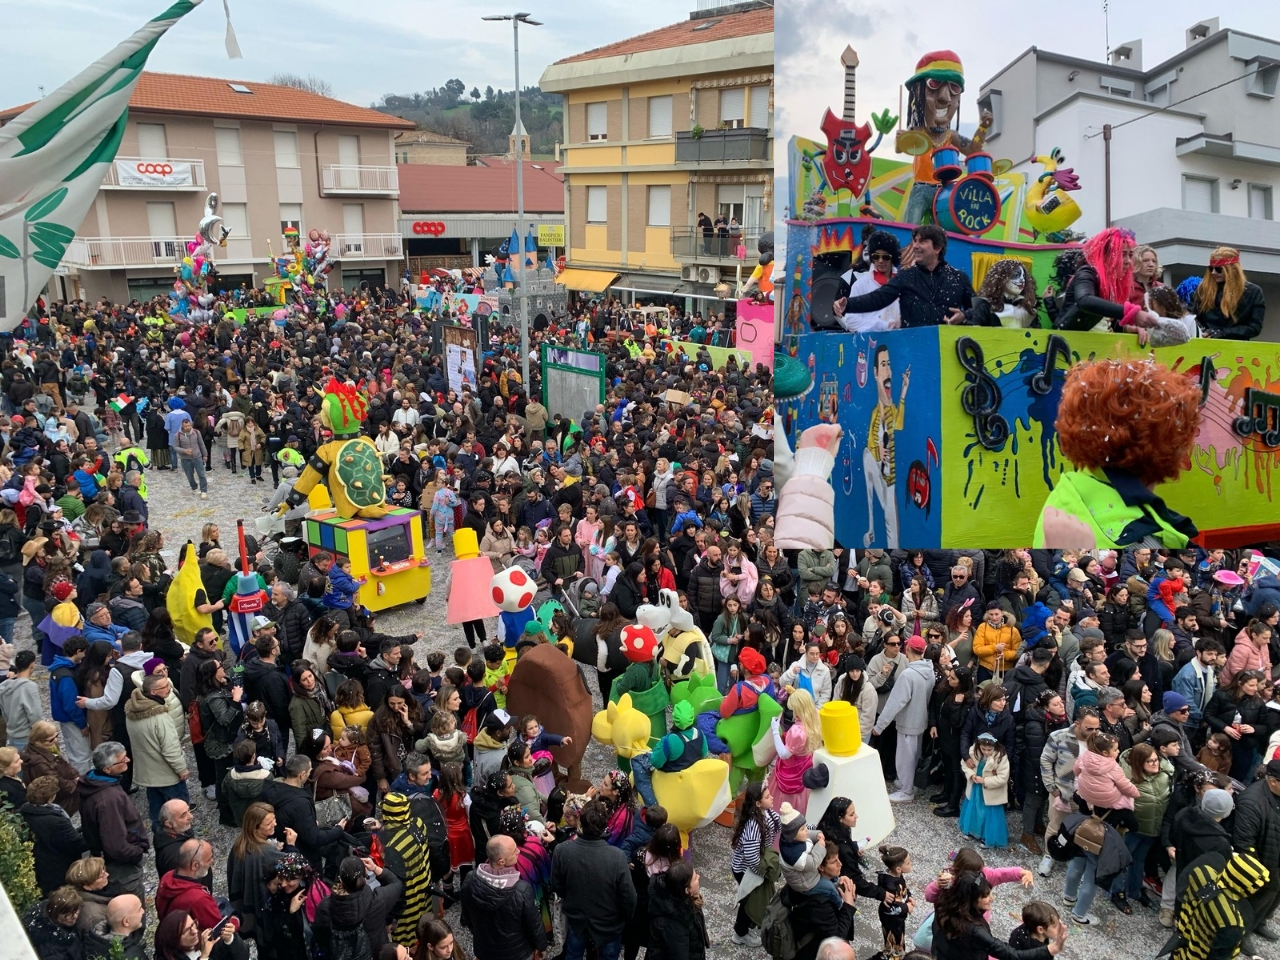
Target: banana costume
[181, 599]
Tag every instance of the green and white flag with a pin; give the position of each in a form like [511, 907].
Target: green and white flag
[53, 158]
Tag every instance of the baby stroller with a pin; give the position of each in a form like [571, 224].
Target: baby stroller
[580, 593]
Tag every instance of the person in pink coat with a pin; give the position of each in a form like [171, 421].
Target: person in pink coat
[968, 860]
[739, 576]
[586, 535]
[1101, 786]
[1252, 651]
[795, 751]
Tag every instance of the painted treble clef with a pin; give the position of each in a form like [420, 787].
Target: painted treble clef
[981, 397]
[1055, 346]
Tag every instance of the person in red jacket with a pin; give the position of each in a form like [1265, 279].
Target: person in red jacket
[182, 888]
[744, 695]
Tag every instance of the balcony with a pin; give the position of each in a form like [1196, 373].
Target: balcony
[368, 246]
[740, 145]
[351, 180]
[689, 245]
[118, 253]
[154, 174]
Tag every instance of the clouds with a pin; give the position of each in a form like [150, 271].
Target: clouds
[364, 50]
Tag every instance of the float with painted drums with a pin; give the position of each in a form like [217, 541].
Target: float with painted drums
[946, 164]
[970, 205]
[980, 165]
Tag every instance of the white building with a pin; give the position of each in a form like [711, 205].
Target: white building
[1194, 148]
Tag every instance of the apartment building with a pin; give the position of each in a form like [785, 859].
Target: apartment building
[659, 128]
[1193, 156]
[435, 149]
[276, 156]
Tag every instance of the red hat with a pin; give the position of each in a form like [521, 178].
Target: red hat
[639, 643]
[916, 644]
[62, 591]
[17, 419]
[753, 660]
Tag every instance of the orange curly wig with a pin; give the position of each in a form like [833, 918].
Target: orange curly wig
[1136, 416]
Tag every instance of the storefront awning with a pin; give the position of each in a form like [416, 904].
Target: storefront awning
[642, 283]
[587, 281]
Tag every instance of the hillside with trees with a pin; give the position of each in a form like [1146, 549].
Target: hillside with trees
[483, 119]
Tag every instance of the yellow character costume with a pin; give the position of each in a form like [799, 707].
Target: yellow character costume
[349, 463]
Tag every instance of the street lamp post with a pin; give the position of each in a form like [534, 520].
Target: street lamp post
[517, 19]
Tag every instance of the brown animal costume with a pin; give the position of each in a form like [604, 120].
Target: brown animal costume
[546, 683]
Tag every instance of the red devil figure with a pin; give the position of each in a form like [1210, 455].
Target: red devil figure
[847, 160]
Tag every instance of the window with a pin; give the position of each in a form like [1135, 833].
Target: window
[286, 148]
[1159, 90]
[1116, 87]
[597, 121]
[151, 142]
[994, 102]
[1259, 202]
[163, 227]
[239, 88]
[659, 117]
[733, 104]
[1200, 194]
[352, 229]
[228, 143]
[349, 150]
[660, 206]
[290, 216]
[597, 204]
[235, 216]
[760, 107]
[731, 200]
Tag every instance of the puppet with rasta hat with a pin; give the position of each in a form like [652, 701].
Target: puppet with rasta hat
[349, 463]
[933, 100]
[1126, 426]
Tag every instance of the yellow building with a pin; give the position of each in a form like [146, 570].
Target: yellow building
[659, 129]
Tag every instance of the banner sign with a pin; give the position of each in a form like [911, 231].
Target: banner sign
[551, 235]
[154, 173]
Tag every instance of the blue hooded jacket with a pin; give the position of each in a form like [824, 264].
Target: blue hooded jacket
[1266, 589]
[63, 692]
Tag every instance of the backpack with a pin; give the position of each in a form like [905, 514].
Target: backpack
[7, 552]
[1091, 833]
[194, 723]
[776, 934]
[471, 725]
[428, 811]
[234, 426]
[348, 943]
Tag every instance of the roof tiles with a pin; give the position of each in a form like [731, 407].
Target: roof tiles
[686, 32]
[429, 188]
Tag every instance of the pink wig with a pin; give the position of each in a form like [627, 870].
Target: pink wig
[1108, 252]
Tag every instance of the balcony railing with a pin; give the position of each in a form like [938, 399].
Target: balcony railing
[110, 253]
[725, 146]
[356, 180]
[688, 243]
[154, 174]
[114, 253]
[368, 246]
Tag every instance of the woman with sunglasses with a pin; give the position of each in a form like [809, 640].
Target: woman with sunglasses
[1227, 306]
[879, 261]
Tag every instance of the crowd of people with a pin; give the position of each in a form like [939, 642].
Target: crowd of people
[1110, 284]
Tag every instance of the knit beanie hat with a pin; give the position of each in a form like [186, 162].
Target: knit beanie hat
[1173, 702]
[1217, 804]
[395, 808]
[792, 821]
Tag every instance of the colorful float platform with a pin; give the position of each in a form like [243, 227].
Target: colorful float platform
[388, 553]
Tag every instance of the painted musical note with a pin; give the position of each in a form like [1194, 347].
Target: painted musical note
[1261, 417]
[1055, 347]
[1208, 374]
[981, 398]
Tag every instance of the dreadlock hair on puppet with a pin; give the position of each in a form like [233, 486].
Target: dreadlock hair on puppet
[1232, 283]
[1126, 426]
[1065, 266]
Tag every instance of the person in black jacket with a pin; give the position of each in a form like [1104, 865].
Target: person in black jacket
[487, 801]
[677, 929]
[1257, 832]
[354, 908]
[961, 932]
[498, 907]
[836, 827]
[1096, 296]
[930, 292]
[58, 843]
[815, 919]
[949, 710]
[290, 796]
[594, 883]
[1227, 305]
[265, 682]
[628, 590]
[1041, 718]
[51, 926]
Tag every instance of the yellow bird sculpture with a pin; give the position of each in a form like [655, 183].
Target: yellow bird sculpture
[1048, 207]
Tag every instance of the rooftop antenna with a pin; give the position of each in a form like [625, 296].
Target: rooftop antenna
[40, 87]
[1106, 21]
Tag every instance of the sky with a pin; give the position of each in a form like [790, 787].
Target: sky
[364, 49]
[811, 34]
